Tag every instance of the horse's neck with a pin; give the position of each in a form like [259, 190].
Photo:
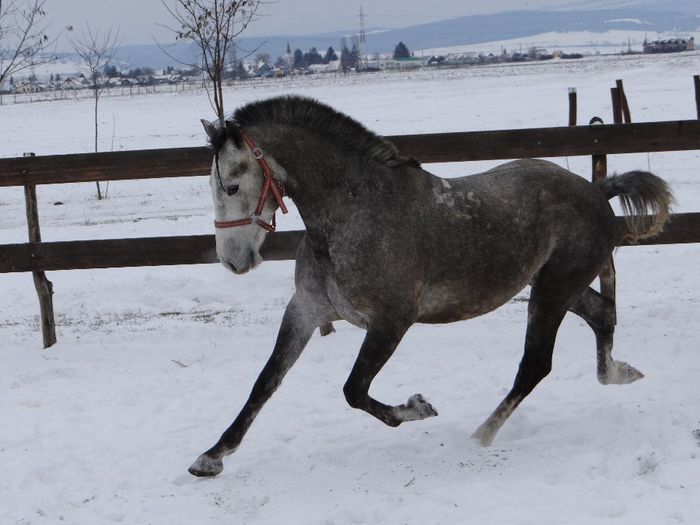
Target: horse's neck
[313, 193]
[313, 174]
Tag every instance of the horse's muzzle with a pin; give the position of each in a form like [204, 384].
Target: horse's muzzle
[233, 268]
[254, 259]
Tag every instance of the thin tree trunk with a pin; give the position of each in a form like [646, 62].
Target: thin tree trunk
[99, 190]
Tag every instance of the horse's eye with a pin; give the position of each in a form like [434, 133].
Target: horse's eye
[232, 190]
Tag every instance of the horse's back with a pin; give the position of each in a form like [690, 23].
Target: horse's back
[497, 229]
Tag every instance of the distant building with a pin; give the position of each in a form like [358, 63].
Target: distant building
[28, 87]
[400, 64]
[332, 67]
[72, 83]
[672, 45]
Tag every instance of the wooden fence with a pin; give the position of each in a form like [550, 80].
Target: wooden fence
[38, 257]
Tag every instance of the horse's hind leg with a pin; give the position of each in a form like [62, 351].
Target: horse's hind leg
[599, 312]
[544, 318]
[295, 331]
[378, 346]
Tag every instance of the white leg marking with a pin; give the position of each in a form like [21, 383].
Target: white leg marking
[619, 373]
[416, 408]
[487, 431]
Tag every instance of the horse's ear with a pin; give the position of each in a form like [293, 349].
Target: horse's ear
[234, 133]
[209, 129]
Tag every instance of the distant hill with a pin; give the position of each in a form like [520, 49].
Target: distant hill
[679, 16]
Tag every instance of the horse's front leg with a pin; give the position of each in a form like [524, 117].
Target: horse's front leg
[379, 344]
[296, 330]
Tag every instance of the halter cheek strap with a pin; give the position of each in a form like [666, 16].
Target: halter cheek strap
[270, 185]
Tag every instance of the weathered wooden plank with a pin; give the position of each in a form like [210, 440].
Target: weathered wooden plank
[552, 142]
[682, 228]
[117, 165]
[199, 249]
[123, 253]
[439, 147]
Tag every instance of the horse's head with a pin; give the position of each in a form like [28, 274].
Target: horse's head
[241, 181]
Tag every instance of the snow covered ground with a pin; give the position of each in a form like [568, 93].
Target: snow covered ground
[585, 42]
[153, 363]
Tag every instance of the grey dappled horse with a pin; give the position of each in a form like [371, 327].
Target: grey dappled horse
[388, 244]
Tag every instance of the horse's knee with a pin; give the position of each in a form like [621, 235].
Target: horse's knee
[354, 395]
[531, 372]
[605, 318]
[265, 386]
[540, 369]
[598, 311]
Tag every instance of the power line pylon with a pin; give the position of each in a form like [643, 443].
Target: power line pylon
[363, 36]
[362, 39]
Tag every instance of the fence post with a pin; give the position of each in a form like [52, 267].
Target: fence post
[44, 287]
[572, 106]
[607, 272]
[696, 80]
[623, 101]
[616, 106]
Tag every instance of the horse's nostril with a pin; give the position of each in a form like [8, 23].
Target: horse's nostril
[229, 266]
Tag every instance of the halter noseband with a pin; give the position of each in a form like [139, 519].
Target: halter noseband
[271, 184]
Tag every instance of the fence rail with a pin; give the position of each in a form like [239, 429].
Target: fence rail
[438, 147]
[200, 249]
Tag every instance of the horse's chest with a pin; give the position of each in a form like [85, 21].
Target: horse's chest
[344, 306]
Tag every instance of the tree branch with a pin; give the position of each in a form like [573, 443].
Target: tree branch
[23, 39]
[213, 26]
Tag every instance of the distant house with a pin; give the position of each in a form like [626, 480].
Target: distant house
[166, 79]
[30, 87]
[332, 67]
[145, 80]
[264, 70]
[393, 63]
[461, 59]
[672, 45]
[72, 83]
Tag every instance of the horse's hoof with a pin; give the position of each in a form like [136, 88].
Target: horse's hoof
[206, 467]
[484, 435]
[421, 407]
[620, 373]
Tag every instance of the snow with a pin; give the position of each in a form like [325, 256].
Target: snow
[152, 364]
[585, 42]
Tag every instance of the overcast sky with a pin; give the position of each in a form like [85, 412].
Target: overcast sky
[138, 20]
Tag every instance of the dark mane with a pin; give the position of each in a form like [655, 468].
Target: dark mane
[218, 138]
[316, 117]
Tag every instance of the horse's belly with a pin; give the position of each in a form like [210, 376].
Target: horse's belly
[443, 305]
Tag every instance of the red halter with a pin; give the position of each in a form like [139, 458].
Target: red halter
[271, 184]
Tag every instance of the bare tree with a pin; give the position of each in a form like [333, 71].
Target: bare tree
[23, 39]
[96, 51]
[213, 26]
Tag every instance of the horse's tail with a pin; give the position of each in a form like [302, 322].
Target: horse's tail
[645, 199]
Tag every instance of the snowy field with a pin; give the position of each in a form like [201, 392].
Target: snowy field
[585, 42]
[153, 363]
